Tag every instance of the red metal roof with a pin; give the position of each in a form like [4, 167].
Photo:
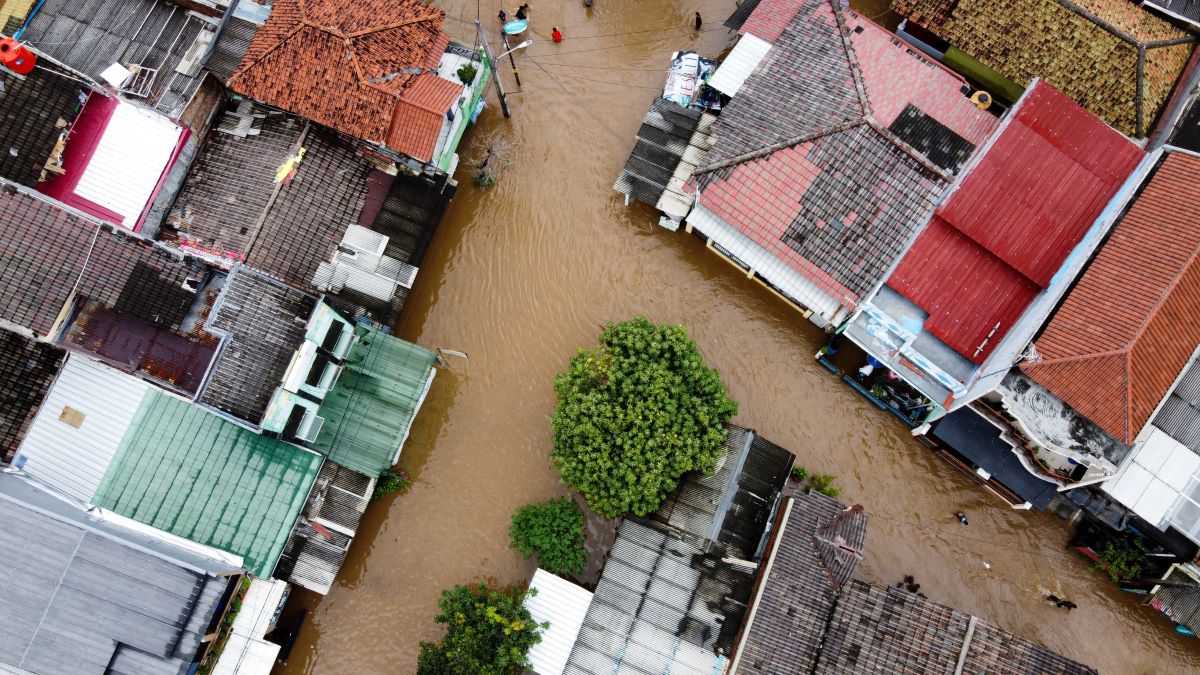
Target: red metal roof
[1024, 207]
[1129, 326]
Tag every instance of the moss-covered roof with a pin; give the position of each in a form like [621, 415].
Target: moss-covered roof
[1093, 59]
[188, 472]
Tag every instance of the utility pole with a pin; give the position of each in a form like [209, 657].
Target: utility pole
[495, 71]
[511, 58]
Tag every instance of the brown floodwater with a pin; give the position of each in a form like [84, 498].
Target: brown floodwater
[522, 275]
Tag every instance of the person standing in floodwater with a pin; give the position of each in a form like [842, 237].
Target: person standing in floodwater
[699, 21]
[557, 36]
[962, 517]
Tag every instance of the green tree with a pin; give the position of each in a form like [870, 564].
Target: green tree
[489, 632]
[634, 414]
[554, 531]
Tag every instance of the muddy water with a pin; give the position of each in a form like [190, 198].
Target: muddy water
[524, 274]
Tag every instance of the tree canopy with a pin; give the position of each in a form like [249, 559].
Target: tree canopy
[554, 531]
[489, 632]
[634, 414]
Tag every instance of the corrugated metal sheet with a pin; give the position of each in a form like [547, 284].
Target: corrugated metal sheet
[337, 501]
[185, 470]
[135, 150]
[246, 652]
[231, 45]
[77, 601]
[736, 67]
[369, 410]
[662, 140]
[662, 606]
[1119, 340]
[1013, 220]
[1180, 603]
[79, 427]
[564, 605]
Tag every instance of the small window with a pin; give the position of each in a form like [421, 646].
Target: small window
[71, 416]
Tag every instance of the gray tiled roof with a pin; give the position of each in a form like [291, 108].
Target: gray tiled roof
[77, 601]
[801, 624]
[26, 370]
[265, 322]
[772, 106]
[31, 109]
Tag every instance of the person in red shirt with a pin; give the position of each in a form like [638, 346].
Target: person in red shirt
[556, 35]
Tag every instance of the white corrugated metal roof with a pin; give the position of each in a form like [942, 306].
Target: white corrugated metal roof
[80, 426]
[564, 605]
[736, 67]
[247, 653]
[134, 151]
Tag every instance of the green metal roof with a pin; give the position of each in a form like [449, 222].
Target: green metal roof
[369, 410]
[184, 470]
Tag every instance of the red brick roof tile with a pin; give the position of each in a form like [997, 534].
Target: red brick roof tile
[343, 65]
[768, 20]
[418, 118]
[1130, 325]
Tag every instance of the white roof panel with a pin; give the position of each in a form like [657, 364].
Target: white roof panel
[1179, 466]
[79, 427]
[564, 605]
[130, 159]
[736, 67]
[1129, 485]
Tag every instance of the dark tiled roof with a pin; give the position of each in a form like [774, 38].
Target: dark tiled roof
[233, 188]
[379, 46]
[232, 181]
[740, 14]
[34, 111]
[91, 36]
[1119, 340]
[48, 249]
[26, 370]
[833, 152]
[311, 213]
[1024, 39]
[266, 322]
[800, 624]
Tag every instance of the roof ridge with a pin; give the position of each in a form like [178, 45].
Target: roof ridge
[781, 145]
[1166, 292]
[1079, 357]
[851, 58]
[393, 26]
[284, 40]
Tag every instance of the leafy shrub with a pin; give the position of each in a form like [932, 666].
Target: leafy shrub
[823, 483]
[392, 481]
[634, 414]
[799, 472]
[554, 531]
[488, 632]
[1121, 562]
[467, 73]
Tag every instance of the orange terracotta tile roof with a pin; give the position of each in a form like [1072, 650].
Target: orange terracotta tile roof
[343, 65]
[1130, 325]
[419, 114]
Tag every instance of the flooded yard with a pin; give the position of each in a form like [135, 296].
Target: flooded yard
[522, 275]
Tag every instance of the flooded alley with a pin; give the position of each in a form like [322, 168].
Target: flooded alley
[521, 275]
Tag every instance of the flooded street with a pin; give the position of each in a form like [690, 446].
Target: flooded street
[522, 275]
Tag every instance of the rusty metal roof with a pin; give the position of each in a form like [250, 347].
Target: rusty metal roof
[1003, 233]
[1126, 330]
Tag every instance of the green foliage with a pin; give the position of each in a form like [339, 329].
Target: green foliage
[634, 414]
[467, 73]
[554, 531]
[1122, 562]
[488, 632]
[823, 483]
[392, 481]
[799, 472]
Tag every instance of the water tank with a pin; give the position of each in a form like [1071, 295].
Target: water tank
[15, 57]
